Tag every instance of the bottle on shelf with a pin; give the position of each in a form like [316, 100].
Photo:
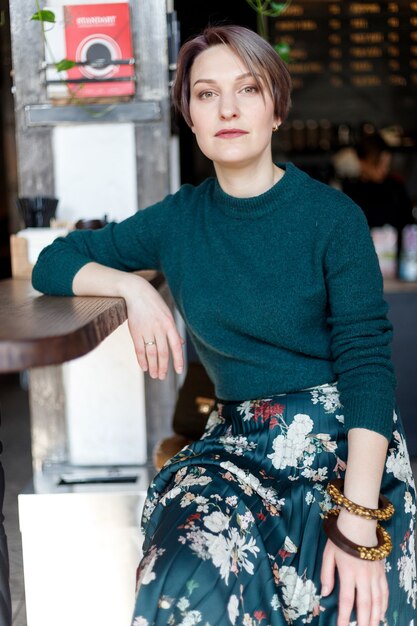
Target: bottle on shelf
[408, 258]
[385, 242]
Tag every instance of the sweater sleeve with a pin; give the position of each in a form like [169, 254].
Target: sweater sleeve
[132, 244]
[360, 331]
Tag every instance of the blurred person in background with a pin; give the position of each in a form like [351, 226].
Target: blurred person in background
[382, 196]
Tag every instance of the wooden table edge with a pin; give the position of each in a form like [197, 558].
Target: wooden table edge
[20, 354]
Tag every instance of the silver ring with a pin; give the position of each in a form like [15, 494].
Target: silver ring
[149, 343]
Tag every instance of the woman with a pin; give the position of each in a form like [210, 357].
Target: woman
[278, 283]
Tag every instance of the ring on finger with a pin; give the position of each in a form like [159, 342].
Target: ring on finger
[150, 343]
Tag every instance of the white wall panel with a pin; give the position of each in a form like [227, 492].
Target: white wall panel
[95, 171]
[105, 404]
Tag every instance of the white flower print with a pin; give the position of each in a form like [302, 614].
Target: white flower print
[299, 594]
[230, 554]
[308, 459]
[328, 397]
[245, 410]
[233, 608]
[247, 479]
[170, 495]
[193, 479]
[149, 507]
[409, 505]
[146, 573]
[237, 445]
[275, 603]
[325, 503]
[245, 520]
[340, 418]
[406, 568]
[231, 500]
[216, 521]
[398, 461]
[183, 603]
[213, 420]
[289, 448]
[309, 497]
[191, 619]
[180, 475]
[187, 499]
[202, 504]
[289, 545]
[315, 475]
[198, 541]
[411, 539]
[325, 440]
[140, 621]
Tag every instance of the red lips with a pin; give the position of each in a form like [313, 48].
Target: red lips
[230, 133]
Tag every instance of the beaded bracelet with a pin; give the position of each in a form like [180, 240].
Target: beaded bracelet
[375, 553]
[383, 513]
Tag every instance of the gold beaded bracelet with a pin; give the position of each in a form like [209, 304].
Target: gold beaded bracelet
[384, 512]
[377, 553]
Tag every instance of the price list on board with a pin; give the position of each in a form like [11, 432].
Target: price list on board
[337, 45]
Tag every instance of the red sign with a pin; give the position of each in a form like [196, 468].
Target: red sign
[99, 38]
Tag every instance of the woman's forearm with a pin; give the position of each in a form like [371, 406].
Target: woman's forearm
[367, 451]
[94, 279]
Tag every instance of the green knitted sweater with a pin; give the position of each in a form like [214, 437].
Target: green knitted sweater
[279, 292]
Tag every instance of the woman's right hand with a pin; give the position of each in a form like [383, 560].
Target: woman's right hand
[149, 317]
[150, 320]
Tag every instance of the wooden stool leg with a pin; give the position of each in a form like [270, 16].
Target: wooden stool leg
[167, 448]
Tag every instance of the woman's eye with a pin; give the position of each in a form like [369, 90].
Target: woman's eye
[204, 95]
[250, 89]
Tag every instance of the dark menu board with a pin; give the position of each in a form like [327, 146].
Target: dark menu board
[352, 60]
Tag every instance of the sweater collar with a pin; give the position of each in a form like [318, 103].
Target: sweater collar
[257, 206]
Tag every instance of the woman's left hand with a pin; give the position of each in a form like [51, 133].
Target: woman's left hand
[363, 584]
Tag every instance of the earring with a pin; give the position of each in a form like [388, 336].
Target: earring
[275, 128]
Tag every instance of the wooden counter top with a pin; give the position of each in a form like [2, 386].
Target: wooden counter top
[38, 330]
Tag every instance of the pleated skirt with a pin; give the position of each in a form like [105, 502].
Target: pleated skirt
[233, 523]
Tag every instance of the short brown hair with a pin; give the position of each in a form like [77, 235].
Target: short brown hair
[258, 56]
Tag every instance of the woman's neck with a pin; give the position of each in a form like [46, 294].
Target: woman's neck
[248, 182]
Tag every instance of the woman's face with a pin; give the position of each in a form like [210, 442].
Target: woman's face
[231, 118]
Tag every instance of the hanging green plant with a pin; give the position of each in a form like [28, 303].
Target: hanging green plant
[267, 8]
[284, 50]
[45, 16]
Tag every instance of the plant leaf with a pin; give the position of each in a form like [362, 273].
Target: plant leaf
[64, 64]
[44, 16]
[284, 50]
[279, 7]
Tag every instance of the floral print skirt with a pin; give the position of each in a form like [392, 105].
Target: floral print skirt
[233, 523]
